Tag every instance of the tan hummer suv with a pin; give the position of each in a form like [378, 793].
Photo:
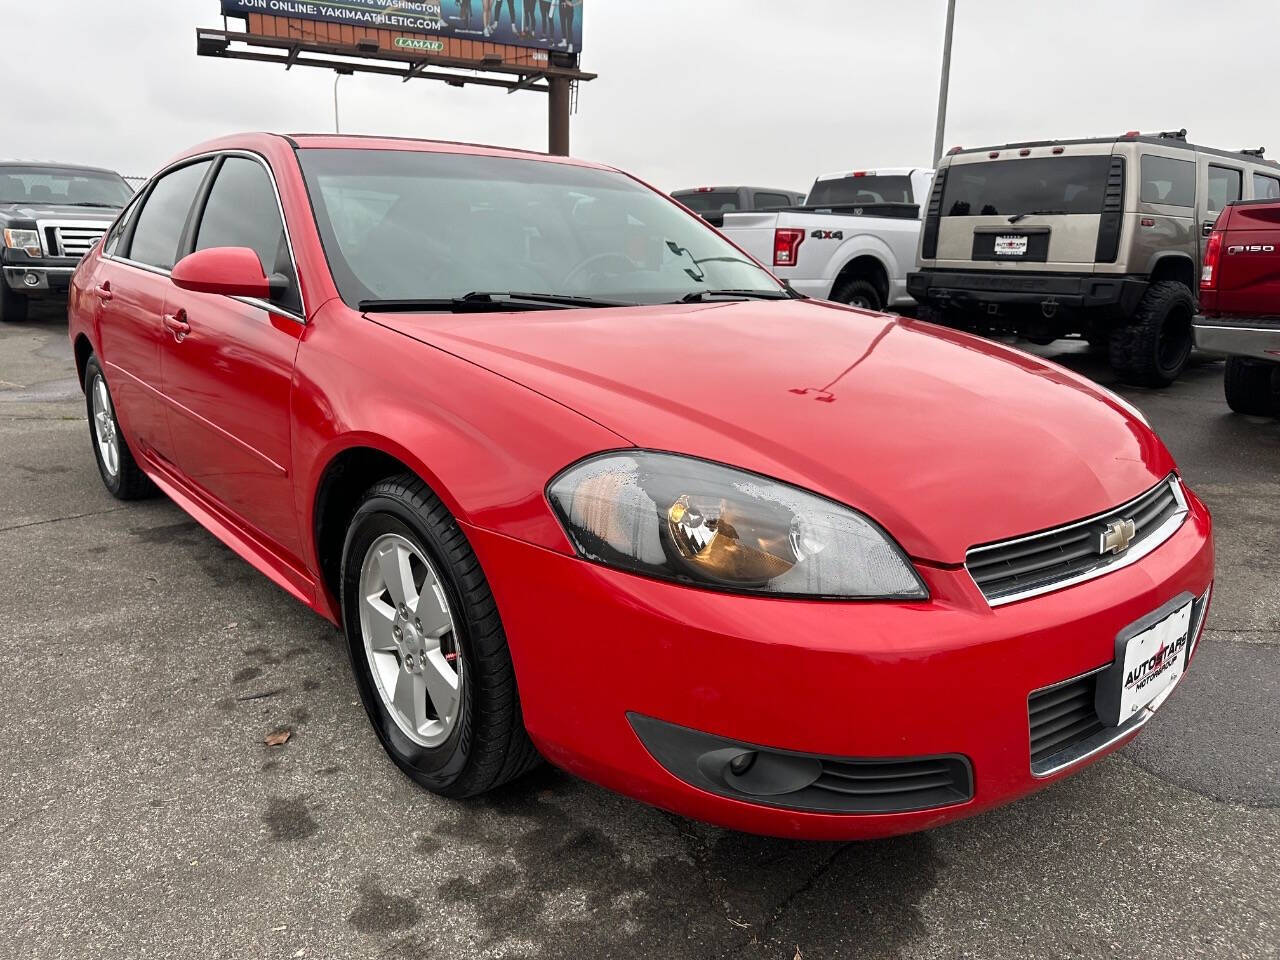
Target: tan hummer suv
[1097, 238]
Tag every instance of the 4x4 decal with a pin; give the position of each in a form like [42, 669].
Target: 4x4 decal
[827, 234]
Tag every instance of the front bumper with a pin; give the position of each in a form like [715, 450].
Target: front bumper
[1258, 339]
[974, 289]
[38, 279]
[949, 677]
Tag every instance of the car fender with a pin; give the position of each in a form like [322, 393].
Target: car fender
[860, 245]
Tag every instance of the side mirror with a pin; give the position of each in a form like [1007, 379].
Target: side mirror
[229, 271]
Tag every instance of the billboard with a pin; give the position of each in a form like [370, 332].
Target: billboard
[553, 25]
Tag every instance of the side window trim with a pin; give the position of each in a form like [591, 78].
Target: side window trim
[188, 234]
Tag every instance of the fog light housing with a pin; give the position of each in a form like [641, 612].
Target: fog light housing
[31, 280]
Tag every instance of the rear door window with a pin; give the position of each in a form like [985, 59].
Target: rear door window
[1046, 185]
[855, 190]
[1169, 181]
[1224, 187]
[1266, 188]
[164, 216]
[243, 212]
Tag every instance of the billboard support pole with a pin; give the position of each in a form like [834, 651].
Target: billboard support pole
[558, 116]
[945, 84]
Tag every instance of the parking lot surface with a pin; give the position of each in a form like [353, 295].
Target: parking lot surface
[141, 814]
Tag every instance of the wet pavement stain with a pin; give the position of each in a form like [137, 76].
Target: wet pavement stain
[378, 911]
[289, 819]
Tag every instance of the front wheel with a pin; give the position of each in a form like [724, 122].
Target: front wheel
[1253, 387]
[1154, 348]
[427, 646]
[13, 307]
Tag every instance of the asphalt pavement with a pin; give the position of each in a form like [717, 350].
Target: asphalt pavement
[142, 664]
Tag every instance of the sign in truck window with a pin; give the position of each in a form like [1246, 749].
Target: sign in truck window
[542, 24]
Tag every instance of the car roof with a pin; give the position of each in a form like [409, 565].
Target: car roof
[55, 165]
[692, 190]
[330, 141]
[1173, 143]
[875, 172]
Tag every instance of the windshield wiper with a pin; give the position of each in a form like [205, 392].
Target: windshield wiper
[1037, 213]
[88, 203]
[703, 296]
[482, 302]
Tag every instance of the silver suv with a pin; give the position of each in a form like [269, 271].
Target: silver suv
[1097, 238]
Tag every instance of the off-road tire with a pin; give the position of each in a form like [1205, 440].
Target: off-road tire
[1153, 349]
[13, 307]
[858, 293]
[1253, 387]
[129, 482]
[488, 745]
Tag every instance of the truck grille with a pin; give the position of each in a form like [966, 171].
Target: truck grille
[71, 239]
[1035, 564]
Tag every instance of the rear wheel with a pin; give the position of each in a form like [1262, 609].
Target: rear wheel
[13, 308]
[1153, 349]
[427, 646]
[858, 293]
[1253, 387]
[120, 473]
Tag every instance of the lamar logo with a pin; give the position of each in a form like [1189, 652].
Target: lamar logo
[1117, 537]
[827, 234]
[412, 43]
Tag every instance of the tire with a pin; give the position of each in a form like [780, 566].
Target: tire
[858, 293]
[120, 473]
[477, 741]
[13, 307]
[1153, 349]
[1253, 387]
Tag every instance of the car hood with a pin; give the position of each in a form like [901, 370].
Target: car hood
[56, 211]
[947, 440]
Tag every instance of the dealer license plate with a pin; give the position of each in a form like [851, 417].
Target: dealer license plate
[1154, 661]
[1011, 246]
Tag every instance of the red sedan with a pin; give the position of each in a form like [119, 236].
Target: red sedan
[581, 480]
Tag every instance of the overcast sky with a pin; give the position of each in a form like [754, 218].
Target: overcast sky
[770, 92]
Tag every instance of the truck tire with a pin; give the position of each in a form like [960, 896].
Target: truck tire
[858, 293]
[1253, 387]
[1152, 350]
[13, 308]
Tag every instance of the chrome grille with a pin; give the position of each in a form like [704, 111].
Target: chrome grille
[71, 239]
[1041, 562]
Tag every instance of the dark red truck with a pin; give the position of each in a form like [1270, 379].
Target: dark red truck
[1240, 303]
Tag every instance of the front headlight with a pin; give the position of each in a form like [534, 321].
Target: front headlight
[28, 240]
[688, 520]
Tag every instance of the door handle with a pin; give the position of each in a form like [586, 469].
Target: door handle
[103, 290]
[177, 325]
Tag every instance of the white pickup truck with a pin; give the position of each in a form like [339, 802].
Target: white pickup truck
[854, 240]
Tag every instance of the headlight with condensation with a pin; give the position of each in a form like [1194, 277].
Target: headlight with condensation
[700, 523]
[28, 240]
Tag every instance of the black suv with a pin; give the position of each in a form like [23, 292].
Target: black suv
[50, 215]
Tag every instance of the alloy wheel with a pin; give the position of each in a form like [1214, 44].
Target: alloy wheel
[104, 428]
[410, 640]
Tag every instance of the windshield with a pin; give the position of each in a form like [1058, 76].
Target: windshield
[860, 189]
[1058, 185]
[62, 185]
[416, 225]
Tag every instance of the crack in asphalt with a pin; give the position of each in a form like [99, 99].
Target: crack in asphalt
[77, 516]
[1156, 774]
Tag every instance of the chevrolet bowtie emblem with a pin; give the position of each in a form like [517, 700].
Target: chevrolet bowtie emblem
[1117, 537]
